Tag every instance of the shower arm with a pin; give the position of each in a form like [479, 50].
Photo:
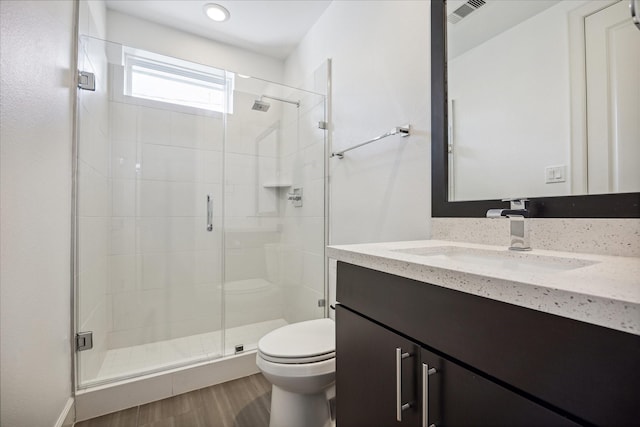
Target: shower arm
[296, 103]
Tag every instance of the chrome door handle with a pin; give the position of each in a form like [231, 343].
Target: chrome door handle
[426, 371]
[209, 212]
[399, 405]
[634, 5]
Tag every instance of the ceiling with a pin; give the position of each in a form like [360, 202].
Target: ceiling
[269, 27]
[495, 17]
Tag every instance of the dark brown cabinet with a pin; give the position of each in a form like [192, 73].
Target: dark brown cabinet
[495, 364]
[367, 372]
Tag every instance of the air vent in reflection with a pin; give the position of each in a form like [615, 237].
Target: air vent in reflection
[464, 10]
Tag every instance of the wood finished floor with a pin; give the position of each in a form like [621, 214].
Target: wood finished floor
[240, 403]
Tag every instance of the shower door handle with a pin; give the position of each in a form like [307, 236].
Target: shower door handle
[209, 212]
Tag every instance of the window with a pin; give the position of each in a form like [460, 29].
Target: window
[165, 79]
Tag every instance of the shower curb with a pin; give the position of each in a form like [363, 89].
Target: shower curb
[102, 400]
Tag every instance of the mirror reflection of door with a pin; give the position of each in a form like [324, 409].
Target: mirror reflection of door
[517, 91]
[613, 100]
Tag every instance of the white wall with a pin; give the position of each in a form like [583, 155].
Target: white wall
[36, 114]
[512, 115]
[380, 52]
[138, 33]
[380, 79]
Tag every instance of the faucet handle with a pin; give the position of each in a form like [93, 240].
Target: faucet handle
[494, 213]
[517, 202]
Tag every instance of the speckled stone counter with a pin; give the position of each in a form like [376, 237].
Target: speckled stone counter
[598, 289]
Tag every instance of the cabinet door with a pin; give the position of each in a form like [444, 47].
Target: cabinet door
[366, 374]
[456, 396]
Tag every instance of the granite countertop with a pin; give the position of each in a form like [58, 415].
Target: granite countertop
[597, 289]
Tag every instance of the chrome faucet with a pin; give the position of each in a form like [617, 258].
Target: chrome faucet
[519, 225]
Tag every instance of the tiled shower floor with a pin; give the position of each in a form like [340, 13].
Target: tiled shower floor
[129, 361]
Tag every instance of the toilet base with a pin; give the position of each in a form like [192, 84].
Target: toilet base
[296, 410]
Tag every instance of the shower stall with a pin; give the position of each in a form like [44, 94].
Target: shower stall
[200, 211]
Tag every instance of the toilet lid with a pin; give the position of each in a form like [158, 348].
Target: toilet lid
[302, 342]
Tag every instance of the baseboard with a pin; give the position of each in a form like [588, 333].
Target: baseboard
[67, 416]
[101, 400]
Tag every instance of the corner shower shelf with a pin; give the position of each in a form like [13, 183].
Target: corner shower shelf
[276, 184]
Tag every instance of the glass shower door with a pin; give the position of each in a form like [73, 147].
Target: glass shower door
[274, 210]
[149, 213]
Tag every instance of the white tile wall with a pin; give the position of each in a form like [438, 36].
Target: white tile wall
[123, 197]
[313, 277]
[210, 133]
[123, 236]
[155, 127]
[165, 265]
[207, 266]
[167, 269]
[302, 304]
[240, 201]
[251, 307]
[123, 276]
[93, 187]
[245, 263]
[123, 157]
[240, 169]
[313, 235]
[168, 163]
[123, 121]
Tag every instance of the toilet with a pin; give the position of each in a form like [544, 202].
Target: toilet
[299, 360]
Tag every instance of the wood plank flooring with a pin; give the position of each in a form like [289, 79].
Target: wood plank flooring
[241, 403]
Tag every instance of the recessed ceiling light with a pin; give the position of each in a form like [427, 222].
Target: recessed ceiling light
[216, 12]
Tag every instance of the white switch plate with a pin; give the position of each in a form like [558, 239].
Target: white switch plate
[553, 174]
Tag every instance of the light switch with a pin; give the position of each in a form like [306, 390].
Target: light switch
[549, 174]
[554, 174]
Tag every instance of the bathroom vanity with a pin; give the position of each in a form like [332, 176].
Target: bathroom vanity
[449, 334]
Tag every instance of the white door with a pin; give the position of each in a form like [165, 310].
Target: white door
[613, 100]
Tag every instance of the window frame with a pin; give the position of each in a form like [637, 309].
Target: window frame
[200, 75]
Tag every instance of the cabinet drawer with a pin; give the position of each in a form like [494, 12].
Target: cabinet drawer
[588, 371]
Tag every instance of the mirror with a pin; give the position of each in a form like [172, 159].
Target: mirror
[520, 76]
[569, 203]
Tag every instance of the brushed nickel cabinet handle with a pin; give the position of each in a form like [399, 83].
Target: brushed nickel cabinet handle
[399, 405]
[426, 371]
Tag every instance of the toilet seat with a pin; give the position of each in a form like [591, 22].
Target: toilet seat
[297, 370]
[298, 360]
[300, 343]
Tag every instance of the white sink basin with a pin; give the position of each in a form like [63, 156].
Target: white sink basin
[505, 260]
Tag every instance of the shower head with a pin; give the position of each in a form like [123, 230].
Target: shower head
[260, 105]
